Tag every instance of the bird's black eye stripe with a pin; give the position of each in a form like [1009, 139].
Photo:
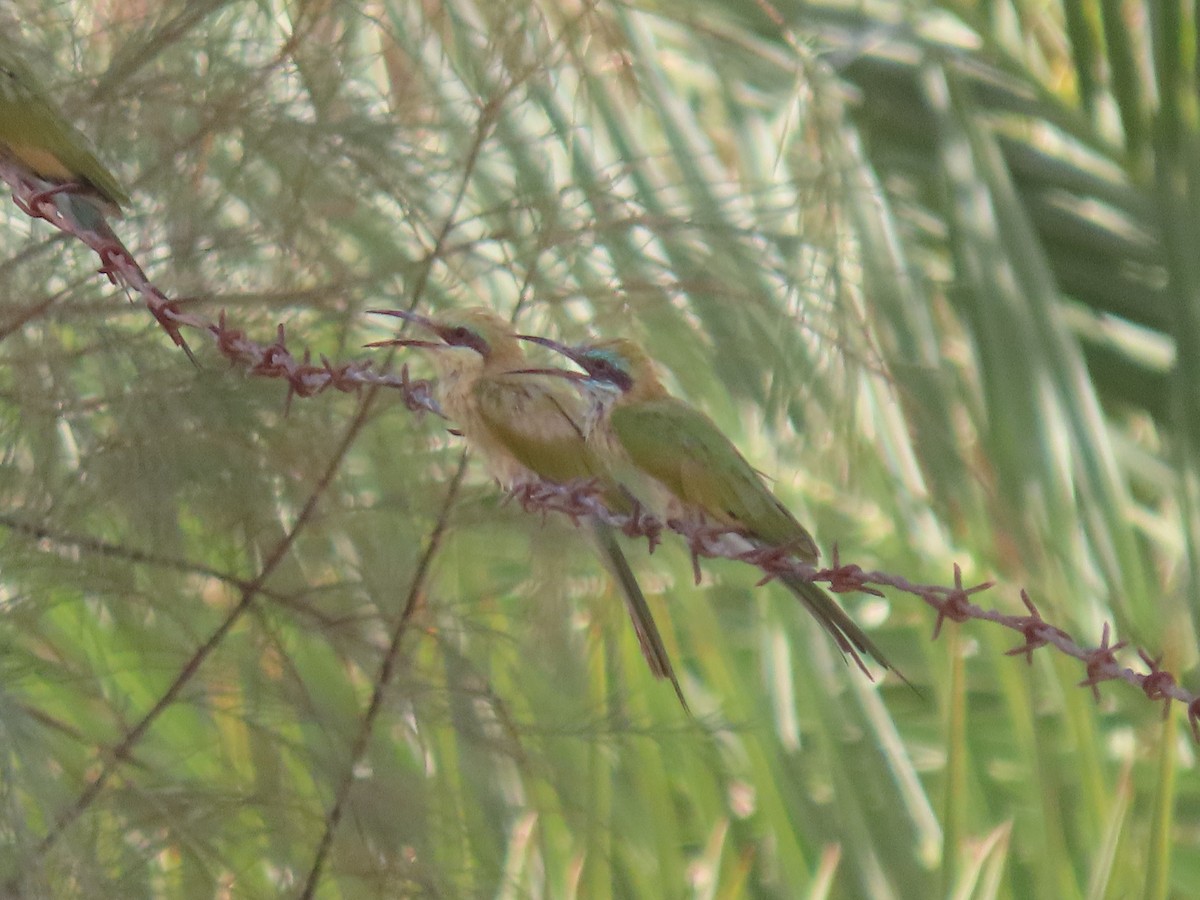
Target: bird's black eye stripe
[463, 336]
[608, 371]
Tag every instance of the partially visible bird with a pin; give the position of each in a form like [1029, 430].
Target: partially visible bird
[36, 136]
[636, 422]
[52, 161]
[529, 427]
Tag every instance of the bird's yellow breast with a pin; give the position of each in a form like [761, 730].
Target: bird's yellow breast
[41, 162]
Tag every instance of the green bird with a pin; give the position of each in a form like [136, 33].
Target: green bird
[37, 138]
[529, 427]
[636, 422]
[51, 158]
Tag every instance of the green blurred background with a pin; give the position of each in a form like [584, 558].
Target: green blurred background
[932, 265]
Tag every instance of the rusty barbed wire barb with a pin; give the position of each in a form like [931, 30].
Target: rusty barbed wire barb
[1157, 683]
[1102, 663]
[1033, 627]
[846, 578]
[956, 606]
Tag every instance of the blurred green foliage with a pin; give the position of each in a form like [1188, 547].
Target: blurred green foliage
[931, 265]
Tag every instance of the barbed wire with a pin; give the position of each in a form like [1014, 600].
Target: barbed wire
[42, 200]
[581, 500]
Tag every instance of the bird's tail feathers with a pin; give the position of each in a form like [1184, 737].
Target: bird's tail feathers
[648, 635]
[851, 639]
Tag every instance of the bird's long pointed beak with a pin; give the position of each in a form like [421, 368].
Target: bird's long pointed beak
[407, 316]
[571, 353]
[407, 342]
[550, 370]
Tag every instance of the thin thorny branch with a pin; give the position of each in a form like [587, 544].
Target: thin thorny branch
[387, 668]
[121, 751]
[333, 817]
[54, 542]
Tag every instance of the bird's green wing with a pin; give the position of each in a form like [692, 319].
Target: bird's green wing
[686, 451]
[36, 135]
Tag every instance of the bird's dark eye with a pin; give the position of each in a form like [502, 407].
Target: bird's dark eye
[607, 370]
[463, 336]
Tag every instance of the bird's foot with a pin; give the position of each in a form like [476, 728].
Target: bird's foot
[642, 524]
[581, 499]
[539, 496]
[576, 499]
[37, 203]
[525, 493]
[47, 194]
[704, 539]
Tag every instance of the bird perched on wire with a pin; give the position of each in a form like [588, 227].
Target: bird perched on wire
[52, 154]
[55, 172]
[636, 424]
[529, 428]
